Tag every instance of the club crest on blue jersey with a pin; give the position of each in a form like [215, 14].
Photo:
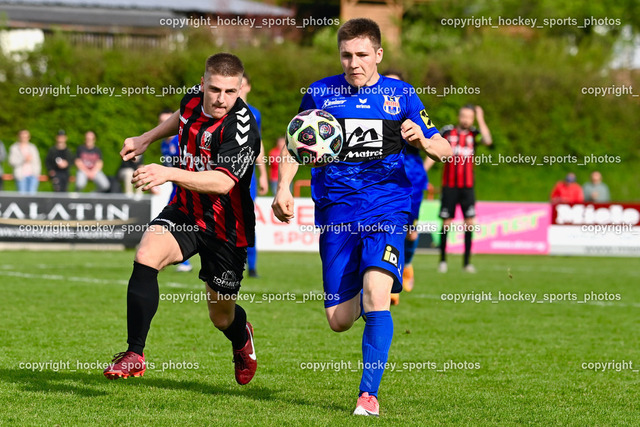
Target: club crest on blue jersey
[391, 104]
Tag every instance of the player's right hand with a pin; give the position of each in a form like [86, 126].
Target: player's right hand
[133, 147]
[282, 205]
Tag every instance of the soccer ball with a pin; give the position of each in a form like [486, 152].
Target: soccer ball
[314, 137]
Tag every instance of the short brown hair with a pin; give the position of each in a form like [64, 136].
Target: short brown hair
[224, 64]
[360, 27]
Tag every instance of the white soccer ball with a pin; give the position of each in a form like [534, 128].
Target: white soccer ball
[314, 137]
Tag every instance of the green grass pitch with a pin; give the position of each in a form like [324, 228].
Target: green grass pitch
[508, 363]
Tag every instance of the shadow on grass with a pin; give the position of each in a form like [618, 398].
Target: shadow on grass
[95, 384]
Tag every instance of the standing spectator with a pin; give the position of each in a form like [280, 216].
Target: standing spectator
[596, 190]
[25, 160]
[3, 155]
[89, 163]
[274, 160]
[58, 163]
[567, 191]
[125, 174]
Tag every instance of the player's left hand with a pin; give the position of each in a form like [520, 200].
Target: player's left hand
[149, 176]
[412, 133]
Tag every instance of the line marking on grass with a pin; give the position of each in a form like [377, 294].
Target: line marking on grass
[61, 278]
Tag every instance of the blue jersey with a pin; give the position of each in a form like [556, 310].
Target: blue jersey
[257, 115]
[254, 182]
[170, 150]
[368, 180]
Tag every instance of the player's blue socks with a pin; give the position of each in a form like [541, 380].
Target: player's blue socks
[252, 256]
[410, 247]
[376, 341]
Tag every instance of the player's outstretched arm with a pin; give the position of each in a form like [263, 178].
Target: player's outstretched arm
[283, 202]
[137, 145]
[482, 126]
[206, 182]
[436, 147]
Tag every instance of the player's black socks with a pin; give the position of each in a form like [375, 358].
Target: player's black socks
[467, 246]
[443, 245]
[143, 297]
[237, 330]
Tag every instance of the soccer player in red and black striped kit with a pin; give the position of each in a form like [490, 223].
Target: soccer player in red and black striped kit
[458, 178]
[211, 214]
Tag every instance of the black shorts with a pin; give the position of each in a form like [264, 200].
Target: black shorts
[222, 263]
[452, 196]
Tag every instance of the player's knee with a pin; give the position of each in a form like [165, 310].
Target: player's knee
[220, 320]
[147, 257]
[340, 325]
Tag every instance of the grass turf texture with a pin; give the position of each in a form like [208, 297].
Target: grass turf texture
[69, 307]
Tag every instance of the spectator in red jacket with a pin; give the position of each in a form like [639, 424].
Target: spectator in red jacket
[567, 191]
[274, 160]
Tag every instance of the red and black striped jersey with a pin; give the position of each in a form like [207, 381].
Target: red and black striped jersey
[230, 145]
[458, 170]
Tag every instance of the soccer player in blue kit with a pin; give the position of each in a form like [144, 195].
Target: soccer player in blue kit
[365, 195]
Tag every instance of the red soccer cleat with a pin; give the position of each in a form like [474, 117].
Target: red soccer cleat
[245, 359]
[367, 405]
[126, 364]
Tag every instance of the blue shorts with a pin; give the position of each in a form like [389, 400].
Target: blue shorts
[348, 250]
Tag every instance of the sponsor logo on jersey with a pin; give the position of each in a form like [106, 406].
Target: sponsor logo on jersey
[425, 118]
[363, 103]
[365, 133]
[242, 161]
[391, 104]
[367, 155]
[391, 255]
[333, 103]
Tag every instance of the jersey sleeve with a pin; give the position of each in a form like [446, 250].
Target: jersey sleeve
[418, 114]
[308, 103]
[446, 130]
[239, 147]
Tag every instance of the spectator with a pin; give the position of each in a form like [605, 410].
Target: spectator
[567, 191]
[25, 160]
[125, 174]
[3, 156]
[596, 190]
[58, 163]
[89, 163]
[274, 160]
